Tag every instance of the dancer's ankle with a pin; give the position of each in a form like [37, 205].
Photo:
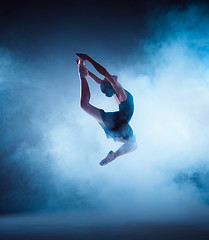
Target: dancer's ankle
[115, 155]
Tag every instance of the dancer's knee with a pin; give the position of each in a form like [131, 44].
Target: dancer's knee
[132, 142]
[134, 146]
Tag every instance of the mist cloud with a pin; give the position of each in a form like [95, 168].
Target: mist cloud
[51, 148]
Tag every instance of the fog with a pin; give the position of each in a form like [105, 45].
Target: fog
[51, 149]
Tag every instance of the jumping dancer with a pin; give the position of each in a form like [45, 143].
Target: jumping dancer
[115, 124]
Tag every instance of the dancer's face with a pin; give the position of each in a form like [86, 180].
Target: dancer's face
[107, 88]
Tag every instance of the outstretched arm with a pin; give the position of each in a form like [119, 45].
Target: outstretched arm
[96, 65]
[94, 77]
[117, 87]
[91, 75]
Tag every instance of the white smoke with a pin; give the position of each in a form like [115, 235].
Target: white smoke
[171, 121]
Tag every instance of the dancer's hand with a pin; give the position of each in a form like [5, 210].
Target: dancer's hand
[82, 56]
[77, 62]
[83, 72]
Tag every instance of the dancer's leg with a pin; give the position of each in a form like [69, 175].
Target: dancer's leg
[128, 146]
[84, 101]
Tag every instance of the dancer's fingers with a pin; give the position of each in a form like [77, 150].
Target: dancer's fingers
[83, 56]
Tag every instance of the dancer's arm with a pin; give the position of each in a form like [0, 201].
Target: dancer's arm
[94, 77]
[117, 87]
[96, 65]
[91, 75]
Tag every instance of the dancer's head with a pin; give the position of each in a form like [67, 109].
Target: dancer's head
[107, 88]
[115, 77]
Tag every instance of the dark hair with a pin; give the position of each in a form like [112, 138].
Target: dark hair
[107, 88]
